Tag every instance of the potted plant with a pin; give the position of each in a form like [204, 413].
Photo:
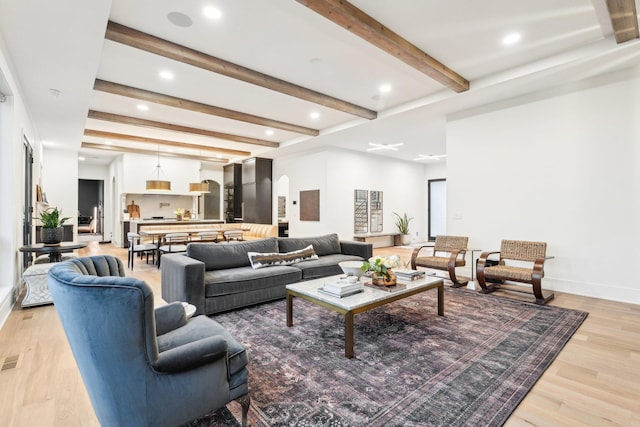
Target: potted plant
[402, 223]
[52, 231]
[380, 269]
[179, 213]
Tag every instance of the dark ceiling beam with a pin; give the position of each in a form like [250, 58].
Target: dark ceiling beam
[118, 149]
[164, 142]
[159, 98]
[139, 40]
[624, 19]
[135, 121]
[359, 23]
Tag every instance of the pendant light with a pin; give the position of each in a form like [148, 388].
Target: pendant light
[199, 187]
[158, 184]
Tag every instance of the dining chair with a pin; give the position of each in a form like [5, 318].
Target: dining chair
[137, 247]
[233, 235]
[173, 243]
[207, 236]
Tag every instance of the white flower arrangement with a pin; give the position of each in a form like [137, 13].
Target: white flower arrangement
[380, 265]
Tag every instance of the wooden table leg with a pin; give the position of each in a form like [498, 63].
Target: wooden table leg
[289, 310]
[441, 300]
[348, 334]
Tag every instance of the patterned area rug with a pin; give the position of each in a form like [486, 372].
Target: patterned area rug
[412, 368]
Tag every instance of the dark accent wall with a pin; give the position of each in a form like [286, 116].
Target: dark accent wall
[89, 194]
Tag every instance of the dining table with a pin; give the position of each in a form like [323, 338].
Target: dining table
[157, 235]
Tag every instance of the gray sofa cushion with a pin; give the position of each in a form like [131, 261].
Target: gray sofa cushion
[323, 245]
[219, 256]
[242, 279]
[324, 266]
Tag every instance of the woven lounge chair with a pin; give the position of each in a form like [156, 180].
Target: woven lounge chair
[448, 253]
[533, 254]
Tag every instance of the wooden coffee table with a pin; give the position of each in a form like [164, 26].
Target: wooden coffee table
[359, 303]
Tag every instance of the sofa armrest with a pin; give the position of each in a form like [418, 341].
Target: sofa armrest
[182, 279]
[170, 317]
[361, 249]
[191, 355]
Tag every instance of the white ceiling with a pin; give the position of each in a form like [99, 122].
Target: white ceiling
[61, 46]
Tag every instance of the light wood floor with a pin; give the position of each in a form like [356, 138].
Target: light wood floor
[595, 381]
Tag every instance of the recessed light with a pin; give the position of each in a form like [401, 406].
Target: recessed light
[430, 157]
[385, 88]
[165, 74]
[391, 147]
[511, 38]
[179, 19]
[48, 143]
[212, 12]
[142, 107]
[106, 141]
[314, 115]
[315, 60]
[269, 132]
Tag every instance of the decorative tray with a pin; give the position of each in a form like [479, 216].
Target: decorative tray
[394, 288]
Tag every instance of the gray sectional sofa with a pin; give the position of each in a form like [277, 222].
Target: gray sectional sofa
[217, 277]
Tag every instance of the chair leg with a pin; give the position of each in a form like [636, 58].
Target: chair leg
[454, 279]
[245, 402]
[483, 285]
[537, 292]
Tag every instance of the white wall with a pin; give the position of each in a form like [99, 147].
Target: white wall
[562, 170]
[138, 169]
[160, 204]
[337, 173]
[60, 182]
[116, 176]
[15, 124]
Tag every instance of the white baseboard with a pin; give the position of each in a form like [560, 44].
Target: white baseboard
[6, 303]
[595, 290]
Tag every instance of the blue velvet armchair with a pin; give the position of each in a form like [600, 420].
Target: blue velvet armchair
[143, 366]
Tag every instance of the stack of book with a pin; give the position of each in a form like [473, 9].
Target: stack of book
[341, 288]
[409, 274]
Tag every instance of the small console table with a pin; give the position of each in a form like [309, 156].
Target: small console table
[54, 251]
[378, 240]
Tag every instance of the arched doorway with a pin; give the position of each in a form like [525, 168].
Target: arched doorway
[211, 201]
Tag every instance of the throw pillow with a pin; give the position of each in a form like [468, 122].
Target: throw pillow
[260, 260]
